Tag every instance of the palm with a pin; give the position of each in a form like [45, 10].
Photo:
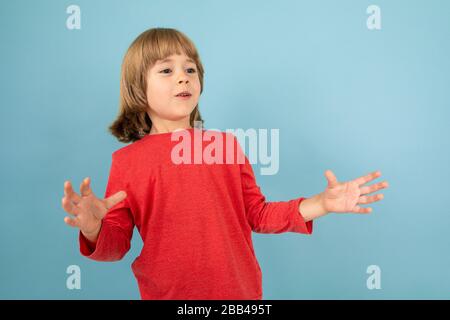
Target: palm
[88, 210]
[346, 196]
[91, 211]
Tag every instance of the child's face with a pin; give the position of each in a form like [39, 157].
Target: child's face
[165, 79]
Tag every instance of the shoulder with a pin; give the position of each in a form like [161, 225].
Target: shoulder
[141, 147]
[129, 151]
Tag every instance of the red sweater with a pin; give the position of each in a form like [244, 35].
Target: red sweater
[195, 221]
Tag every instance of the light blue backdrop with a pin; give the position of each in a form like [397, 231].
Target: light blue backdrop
[344, 98]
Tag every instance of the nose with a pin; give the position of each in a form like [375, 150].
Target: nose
[182, 77]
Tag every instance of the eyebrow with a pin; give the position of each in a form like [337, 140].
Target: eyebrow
[170, 60]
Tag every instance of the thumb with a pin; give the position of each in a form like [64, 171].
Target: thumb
[115, 199]
[332, 180]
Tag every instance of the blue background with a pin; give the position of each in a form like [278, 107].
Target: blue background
[344, 97]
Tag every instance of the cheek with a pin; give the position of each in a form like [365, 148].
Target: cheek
[158, 91]
[197, 86]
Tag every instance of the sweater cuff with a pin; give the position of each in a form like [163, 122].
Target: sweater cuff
[89, 248]
[299, 223]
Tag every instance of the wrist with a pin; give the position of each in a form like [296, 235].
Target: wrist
[92, 236]
[321, 205]
[312, 208]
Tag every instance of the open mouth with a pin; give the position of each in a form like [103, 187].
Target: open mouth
[183, 94]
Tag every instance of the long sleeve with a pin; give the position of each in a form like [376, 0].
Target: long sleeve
[117, 226]
[269, 217]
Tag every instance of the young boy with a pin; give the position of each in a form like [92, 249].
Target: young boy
[195, 219]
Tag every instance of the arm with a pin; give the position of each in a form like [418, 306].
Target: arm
[312, 208]
[111, 240]
[269, 217]
[106, 225]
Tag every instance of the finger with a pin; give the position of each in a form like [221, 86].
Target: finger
[364, 179]
[85, 188]
[71, 222]
[374, 187]
[358, 209]
[370, 199]
[115, 199]
[72, 195]
[68, 206]
[332, 180]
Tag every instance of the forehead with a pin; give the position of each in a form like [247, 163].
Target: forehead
[175, 58]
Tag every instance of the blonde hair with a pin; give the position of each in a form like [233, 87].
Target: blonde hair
[154, 44]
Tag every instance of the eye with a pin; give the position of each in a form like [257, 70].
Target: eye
[164, 71]
[193, 70]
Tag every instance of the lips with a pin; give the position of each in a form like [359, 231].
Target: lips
[183, 94]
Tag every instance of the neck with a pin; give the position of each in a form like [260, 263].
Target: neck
[166, 126]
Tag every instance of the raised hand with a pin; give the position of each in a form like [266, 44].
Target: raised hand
[87, 210]
[347, 196]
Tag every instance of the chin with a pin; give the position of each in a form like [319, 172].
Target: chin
[182, 112]
[176, 116]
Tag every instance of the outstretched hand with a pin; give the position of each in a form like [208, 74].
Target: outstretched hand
[87, 210]
[347, 196]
